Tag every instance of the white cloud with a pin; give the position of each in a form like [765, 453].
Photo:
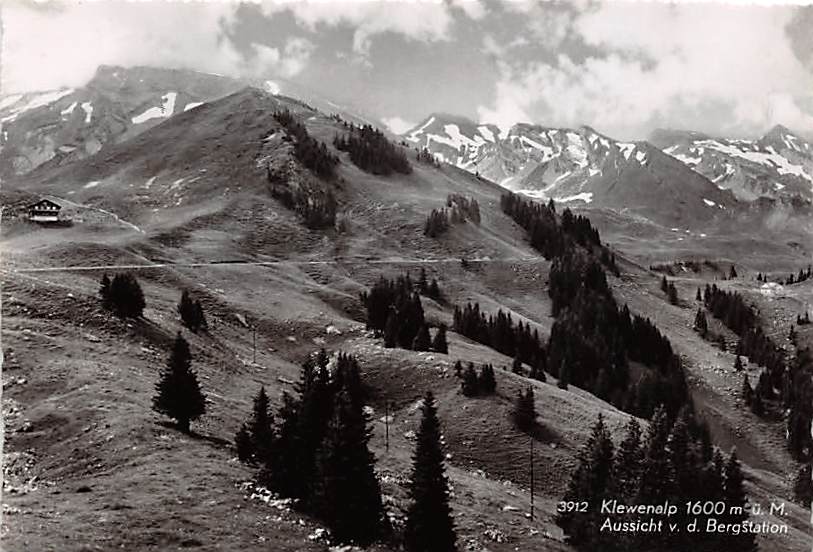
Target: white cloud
[286, 63]
[397, 125]
[722, 67]
[427, 21]
[63, 44]
[474, 9]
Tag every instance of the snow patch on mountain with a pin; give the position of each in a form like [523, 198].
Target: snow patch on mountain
[192, 105]
[68, 110]
[626, 149]
[88, 109]
[37, 100]
[166, 110]
[586, 197]
[768, 157]
[486, 133]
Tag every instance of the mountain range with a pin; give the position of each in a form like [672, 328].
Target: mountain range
[194, 182]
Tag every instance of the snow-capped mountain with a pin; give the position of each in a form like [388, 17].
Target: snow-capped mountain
[580, 166]
[64, 125]
[778, 165]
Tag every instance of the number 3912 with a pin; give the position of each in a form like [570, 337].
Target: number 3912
[571, 506]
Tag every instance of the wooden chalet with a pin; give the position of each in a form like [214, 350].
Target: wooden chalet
[44, 210]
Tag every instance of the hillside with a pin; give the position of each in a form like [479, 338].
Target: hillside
[188, 204]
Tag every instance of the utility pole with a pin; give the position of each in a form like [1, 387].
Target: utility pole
[387, 425]
[532, 477]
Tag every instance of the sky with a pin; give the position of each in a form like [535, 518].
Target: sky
[622, 67]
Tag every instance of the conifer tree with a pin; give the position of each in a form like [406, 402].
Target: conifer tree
[429, 526]
[191, 312]
[243, 444]
[126, 296]
[628, 464]
[657, 476]
[738, 364]
[104, 291]
[178, 395]
[672, 293]
[524, 413]
[439, 343]
[747, 391]
[261, 426]
[698, 296]
[803, 486]
[732, 273]
[346, 494]
[564, 375]
[470, 384]
[486, 381]
[590, 482]
[391, 331]
[700, 323]
[458, 368]
[422, 341]
[734, 497]
[516, 365]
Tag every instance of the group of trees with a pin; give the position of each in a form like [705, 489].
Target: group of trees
[425, 156]
[797, 278]
[670, 290]
[798, 399]
[674, 462]
[311, 152]
[473, 384]
[316, 450]
[555, 236]
[593, 341]
[370, 151]
[500, 333]
[317, 207]
[394, 310]
[458, 210]
[122, 295]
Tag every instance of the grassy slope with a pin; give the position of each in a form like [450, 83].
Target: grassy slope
[88, 380]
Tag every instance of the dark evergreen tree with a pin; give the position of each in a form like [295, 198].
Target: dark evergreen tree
[698, 297]
[422, 341]
[191, 313]
[486, 381]
[628, 465]
[732, 273]
[429, 526]
[104, 292]
[738, 364]
[470, 384]
[178, 395]
[657, 474]
[439, 343]
[672, 293]
[590, 482]
[458, 368]
[261, 427]
[126, 297]
[391, 331]
[735, 499]
[701, 325]
[524, 413]
[747, 391]
[243, 444]
[346, 494]
[516, 365]
[803, 486]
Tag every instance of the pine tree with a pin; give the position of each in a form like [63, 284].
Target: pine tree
[261, 427]
[590, 482]
[803, 486]
[747, 391]
[732, 273]
[104, 292]
[698, 296]
[439, 343]
[178, 395]
[657, 476]
[700, 323]
[243, 444]
[191, 312]
[738, 364]
[126, 296]
[628, 465]
[429, 525]
[346, 494]
[524, 413]
[672, 293]
[422, 341]
[516, 365]
[486, 381]
[664, 284]
[564, 375]
[391, 331]
[458, 368]
[470, 384]
[736, 505]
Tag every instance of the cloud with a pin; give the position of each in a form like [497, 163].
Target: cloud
[425, 21]
[707, 67]
[286, 63]
[64, 44]
[473, 9]
[397, 125]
